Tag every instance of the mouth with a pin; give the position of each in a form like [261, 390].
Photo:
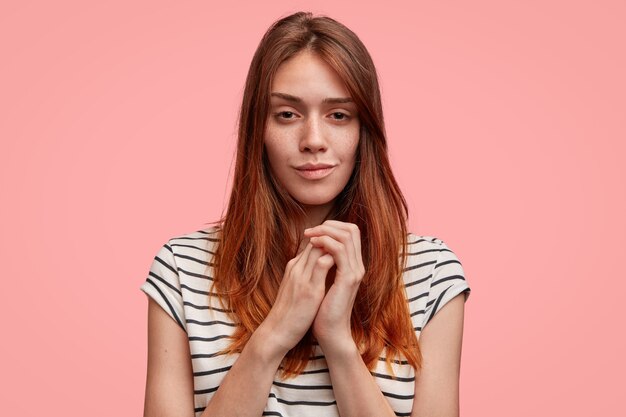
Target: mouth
[314, 172]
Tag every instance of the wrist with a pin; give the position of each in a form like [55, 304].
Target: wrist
[267, 346]
[340, 349]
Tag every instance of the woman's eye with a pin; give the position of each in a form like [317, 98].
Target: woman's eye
[340, 116]
[286, 115]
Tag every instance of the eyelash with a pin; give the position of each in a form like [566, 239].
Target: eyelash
[343, 115]
[280, 113]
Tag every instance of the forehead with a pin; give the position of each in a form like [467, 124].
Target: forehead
[308, 76]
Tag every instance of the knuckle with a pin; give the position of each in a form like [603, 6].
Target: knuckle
[324, 261]
[293, 270]
[306, 295]
[317, 239]
[344, 235]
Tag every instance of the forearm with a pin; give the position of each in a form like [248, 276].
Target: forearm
[245, 388]
[355, 389]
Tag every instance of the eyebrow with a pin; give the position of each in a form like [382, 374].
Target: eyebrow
[332, 100]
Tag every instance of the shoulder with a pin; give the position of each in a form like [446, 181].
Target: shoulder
[206, 234]
[196, 246]
[423, 251]
[422, 254]
[428, 255]
[432, 275]
[190, 254]
[424, 241]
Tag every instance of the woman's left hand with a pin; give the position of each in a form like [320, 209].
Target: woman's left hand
[342, 241]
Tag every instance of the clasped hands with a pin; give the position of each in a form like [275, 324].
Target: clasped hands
[302, 300]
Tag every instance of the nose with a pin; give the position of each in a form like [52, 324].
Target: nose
[312, 138]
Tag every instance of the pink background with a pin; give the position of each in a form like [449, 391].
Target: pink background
[507, 129]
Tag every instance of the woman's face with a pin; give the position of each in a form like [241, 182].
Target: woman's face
[312, 131]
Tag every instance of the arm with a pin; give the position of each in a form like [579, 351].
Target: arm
[437, 384]
[299, 296]
[250, 378]
[355, 390]
[169, 386]
[169, 383]
[245, 388]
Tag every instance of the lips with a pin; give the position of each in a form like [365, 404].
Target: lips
[314, 171]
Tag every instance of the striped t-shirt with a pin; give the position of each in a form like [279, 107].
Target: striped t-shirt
[179, 282]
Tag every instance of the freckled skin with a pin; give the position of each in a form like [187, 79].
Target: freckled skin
[311, 131]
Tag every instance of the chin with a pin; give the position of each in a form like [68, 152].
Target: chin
[314, 200]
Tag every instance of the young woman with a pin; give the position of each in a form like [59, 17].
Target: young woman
[309, 297]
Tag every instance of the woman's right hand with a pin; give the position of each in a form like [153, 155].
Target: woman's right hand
[299, 296]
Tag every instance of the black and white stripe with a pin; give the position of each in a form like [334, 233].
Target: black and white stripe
[180, 278]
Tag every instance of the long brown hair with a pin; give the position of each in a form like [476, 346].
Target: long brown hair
[262, 227]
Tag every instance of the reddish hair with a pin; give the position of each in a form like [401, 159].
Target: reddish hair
[263, 225]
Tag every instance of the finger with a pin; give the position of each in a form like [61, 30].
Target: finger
[321, 268]
[355, 233]
[299, 260]
[337, 250]
[334, 225]
[314, 254]
[340, 234]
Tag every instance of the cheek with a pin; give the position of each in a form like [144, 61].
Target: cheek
[272, 145]
[277, 156]
[273, 156]
[350, 145]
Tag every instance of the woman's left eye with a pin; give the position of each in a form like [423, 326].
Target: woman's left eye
[340, 116]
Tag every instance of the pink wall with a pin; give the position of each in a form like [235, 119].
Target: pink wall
[507, 130]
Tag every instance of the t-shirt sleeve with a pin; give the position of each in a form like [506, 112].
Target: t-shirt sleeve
[446, 282]
[163, 284]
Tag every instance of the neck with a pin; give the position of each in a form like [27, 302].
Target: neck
[316, 215]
